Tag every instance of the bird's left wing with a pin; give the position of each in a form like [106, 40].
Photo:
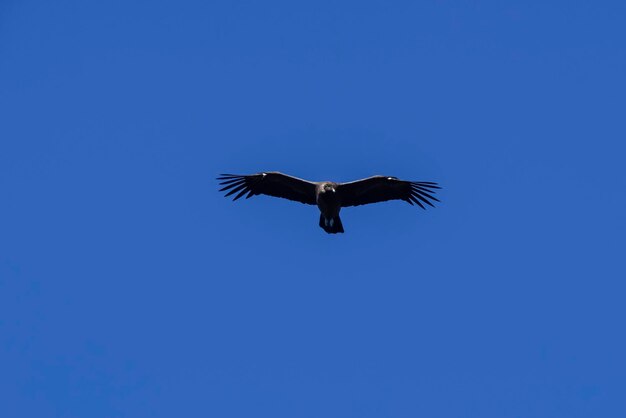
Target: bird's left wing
[269, 183]
[381, 188]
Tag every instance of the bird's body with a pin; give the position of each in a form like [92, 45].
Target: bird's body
[329, 197]
[329, 205]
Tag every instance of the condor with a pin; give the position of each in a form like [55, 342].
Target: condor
[330, 197]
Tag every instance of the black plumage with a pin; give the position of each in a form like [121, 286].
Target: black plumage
[330, 197]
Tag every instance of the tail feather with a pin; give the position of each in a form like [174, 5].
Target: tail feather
[331, 226]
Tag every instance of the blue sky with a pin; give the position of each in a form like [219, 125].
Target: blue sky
[129, 287]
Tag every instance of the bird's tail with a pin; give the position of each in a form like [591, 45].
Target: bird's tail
[331, 225]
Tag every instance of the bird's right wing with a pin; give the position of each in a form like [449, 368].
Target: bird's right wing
[269, 183]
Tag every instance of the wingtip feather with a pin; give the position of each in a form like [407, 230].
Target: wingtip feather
[421, 192]
[417, 201]
[426, 184]
[241, 193]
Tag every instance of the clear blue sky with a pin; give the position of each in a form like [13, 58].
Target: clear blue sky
[129, 287]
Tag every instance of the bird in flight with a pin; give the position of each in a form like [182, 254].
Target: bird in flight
[329, 197]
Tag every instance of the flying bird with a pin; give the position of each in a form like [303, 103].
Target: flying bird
[329, 196]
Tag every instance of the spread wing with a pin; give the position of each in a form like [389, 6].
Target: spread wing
[381, 188]
[270, 183]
